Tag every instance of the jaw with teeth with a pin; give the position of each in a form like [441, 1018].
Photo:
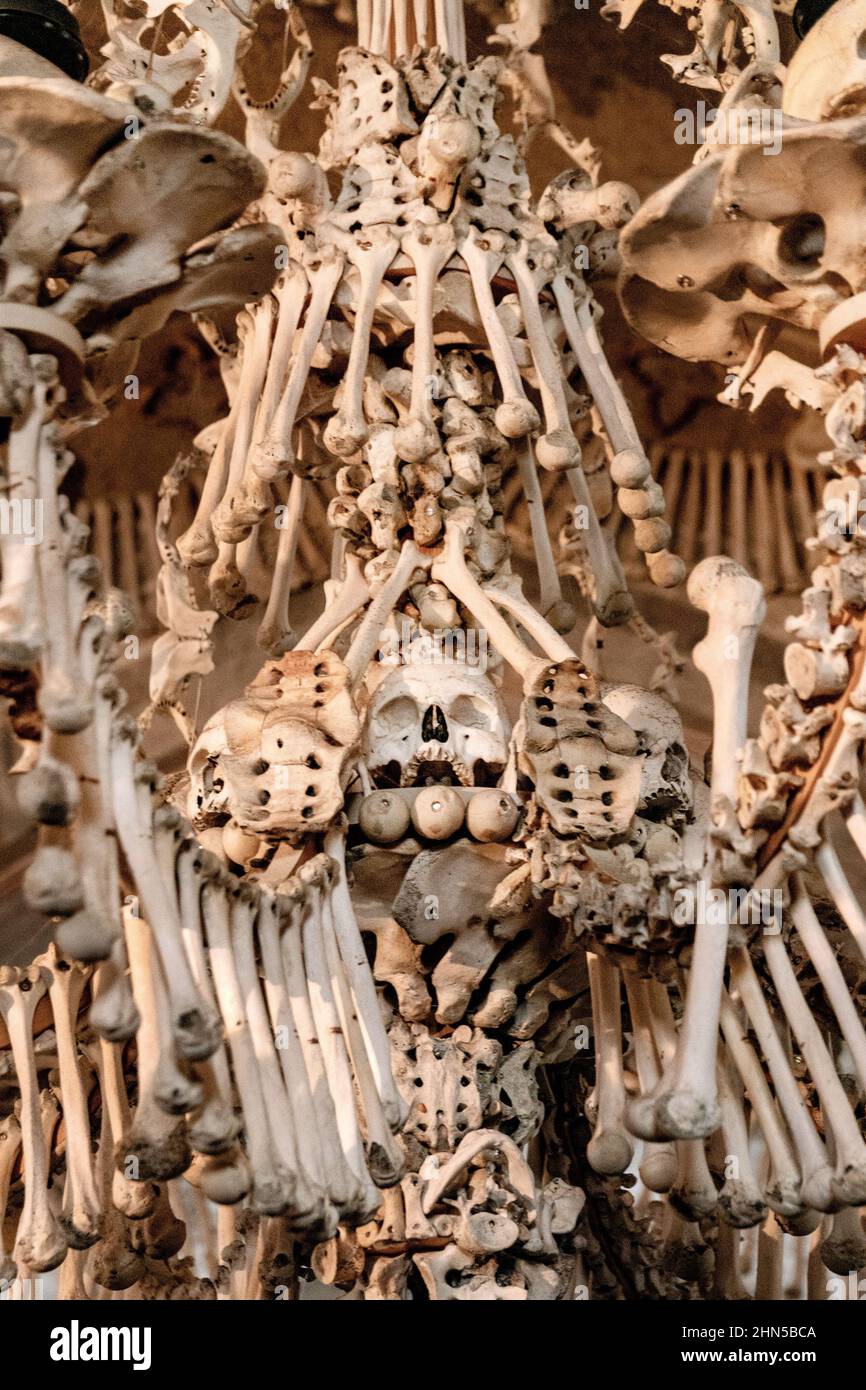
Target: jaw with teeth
[435, 764]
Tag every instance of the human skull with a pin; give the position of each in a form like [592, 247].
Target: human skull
[433, 721]
[826, 77]
[665, 784]
[276, 759]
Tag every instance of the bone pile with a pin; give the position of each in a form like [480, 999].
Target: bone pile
[385, 988]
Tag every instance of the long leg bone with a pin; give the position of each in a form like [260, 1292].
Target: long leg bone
[330, 1033]
[214, 1128]
[849, 1183]
[783, 1194]
[323, 281]
[271, 1191]
[156, 1145]
[275, 633]
[371, 253]
[516, 416]
[429, 248]
[40, 1243]
[385, 1162]
[360, 981]
[10, 1144]
[342, 1186]
[310, 1155]
[303, 1208]
[195, 1026]
[830, 974]
[82, 1209]
[817, 1174]
[686, 1106]
[610, 1149]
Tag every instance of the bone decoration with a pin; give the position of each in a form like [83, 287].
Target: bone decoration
[431, 969]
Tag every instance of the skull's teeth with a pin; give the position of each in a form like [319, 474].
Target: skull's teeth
[435, 755]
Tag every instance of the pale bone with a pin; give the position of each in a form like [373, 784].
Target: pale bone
[197, 546]
[548, 576]
[686, 1105]
[784, 1192]
[82, 1211]
[96, 846]
[340, 1183]
[246, 496]
[610, 1149]
[694, 1190]
[849, 1181]
[303, 1209]
[582, 334]
[21, 618]
[271, 1190]
[64, 698]
[516, 416]
[452, 571]
[384, 1159]
[214, 1128]
[429, 248]
[310, 1159]
[290, 294]
[540, 630]
[816, 1187]
[40, 1243]
[155, 1145]
[194, 1024]
[741, 1197]
[175, 1089]
[640, 1110]
[331, 1040]
[768, 1279]
[836, 879]
[557, 449]
[830, 974]
[385, 598]
[323, 282]
[371, 255]
[360, 981]
[612, 602]
[438, 1179]
[351, 598]
[133, 1199]
[275, 633]
[10, 1143]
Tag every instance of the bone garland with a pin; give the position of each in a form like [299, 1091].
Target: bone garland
[396, 272]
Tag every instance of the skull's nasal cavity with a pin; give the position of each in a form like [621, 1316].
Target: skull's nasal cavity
[433, 726]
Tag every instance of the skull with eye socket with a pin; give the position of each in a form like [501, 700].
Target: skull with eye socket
[435, 721]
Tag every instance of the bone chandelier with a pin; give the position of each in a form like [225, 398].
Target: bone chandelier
[425, 973]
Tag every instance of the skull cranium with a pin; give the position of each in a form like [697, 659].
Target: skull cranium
[436, 720]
